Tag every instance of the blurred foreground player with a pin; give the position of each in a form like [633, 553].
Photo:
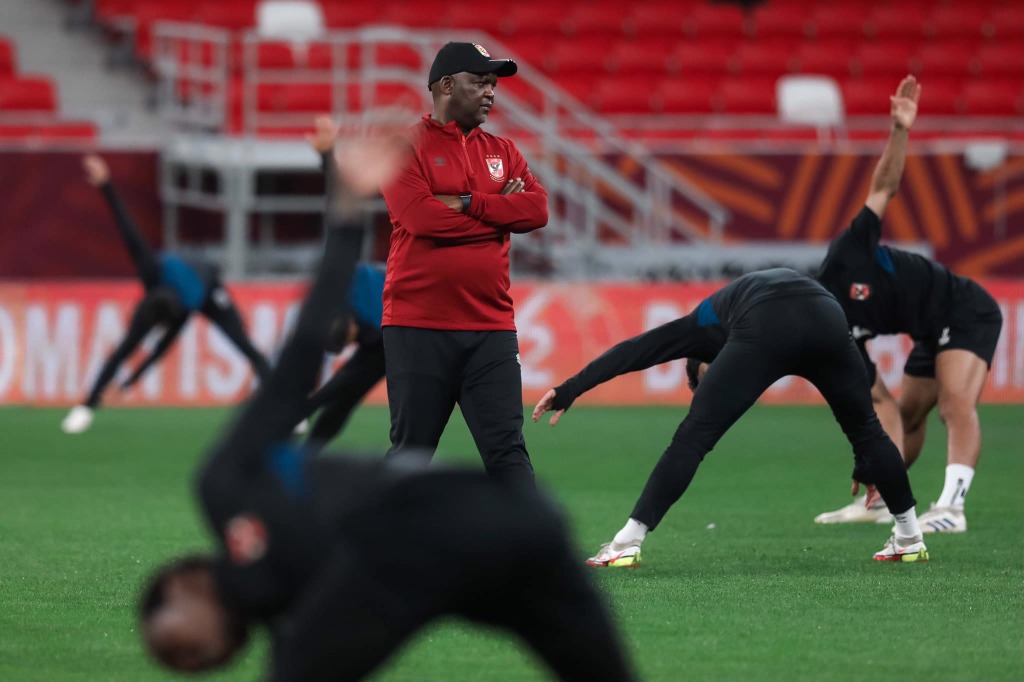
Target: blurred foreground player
[344, 560]
[175, 287]
[955, 325]
[364, 369]
[756, 330]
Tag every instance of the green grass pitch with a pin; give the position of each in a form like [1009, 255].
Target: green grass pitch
[763, 595]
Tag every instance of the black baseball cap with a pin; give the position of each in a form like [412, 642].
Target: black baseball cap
[458, 57]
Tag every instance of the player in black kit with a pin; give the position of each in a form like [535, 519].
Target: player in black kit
[345, 559]
[955, 325]
[751, 333]
[175, 288]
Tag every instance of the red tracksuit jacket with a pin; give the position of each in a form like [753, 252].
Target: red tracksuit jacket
[446, 269]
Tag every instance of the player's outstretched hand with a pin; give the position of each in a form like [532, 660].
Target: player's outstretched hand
[97, 173]
[873, 496]
[903, 105]
[324, 134]
[546, 404]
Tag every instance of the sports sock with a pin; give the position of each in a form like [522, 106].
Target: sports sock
[906, 524]
[958, 482]
[632, 533]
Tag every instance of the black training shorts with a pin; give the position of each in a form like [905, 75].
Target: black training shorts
[974, 324]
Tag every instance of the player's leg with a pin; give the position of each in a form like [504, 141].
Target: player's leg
[344, 391]
[491, 400]
[834, 366]
[918, 396]
[888, 412]
[422, 367]
[742, 371]
[221, 311]
[79, 419]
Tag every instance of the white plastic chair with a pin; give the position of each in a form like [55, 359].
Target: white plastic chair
[810, 100]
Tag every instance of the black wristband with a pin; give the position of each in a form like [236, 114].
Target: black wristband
[466, 199]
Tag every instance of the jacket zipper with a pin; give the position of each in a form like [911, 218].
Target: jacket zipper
[465, 154]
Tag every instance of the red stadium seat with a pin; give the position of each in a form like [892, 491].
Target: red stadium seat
[940, 96]
[232, 14]
[826, 57]
[8, 59]
[694, 57]
[1005, 58]
[1006, 21]
[993, 97]
[783, 20]
[483, 16]
[567, 57]
[281, 97]
[754, 95]
[531, 49]
[962, 20]
[623, 94]
[943, 59]
[416, 14]
[352, 14]
[774, 57]
[657, 17]
[840, 20]
[603, 18]
[869, 96]
[34, 93]
[897, 20]
[681, 95]
[890, 58]
[533, 19]
[641, 56]
[716, 21]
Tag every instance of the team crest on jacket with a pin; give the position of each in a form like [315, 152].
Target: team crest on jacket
[495, 167]
[860, 292]
[245, 538]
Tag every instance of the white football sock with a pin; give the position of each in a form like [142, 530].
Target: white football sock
[632, 533]
[906, 524]
[958, 482]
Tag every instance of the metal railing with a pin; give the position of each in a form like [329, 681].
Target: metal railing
[603, 188]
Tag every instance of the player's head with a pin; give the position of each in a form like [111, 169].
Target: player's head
[162, 304]
[343, 331]
[184, 624]
[462, 80]
[695, 371]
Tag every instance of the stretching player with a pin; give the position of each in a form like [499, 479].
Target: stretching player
[955, 325]
[756, 330]
[364, 369]
[345, 559]
[175, 288]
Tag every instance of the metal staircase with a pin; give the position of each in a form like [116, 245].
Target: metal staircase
[611, 201]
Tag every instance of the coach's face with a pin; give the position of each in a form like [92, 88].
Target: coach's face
[471, 98]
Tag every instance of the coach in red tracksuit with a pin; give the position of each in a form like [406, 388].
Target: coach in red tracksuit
[448, 324]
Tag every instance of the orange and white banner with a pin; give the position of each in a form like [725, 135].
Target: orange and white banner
[55, 336]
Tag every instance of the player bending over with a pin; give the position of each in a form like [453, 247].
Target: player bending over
[756, 330]
[364, 369]
[343, 560]
[955, 325]
[175, 288]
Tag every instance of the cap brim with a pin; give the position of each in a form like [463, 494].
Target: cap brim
[502, 67]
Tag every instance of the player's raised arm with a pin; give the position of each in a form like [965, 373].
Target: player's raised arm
[886, 178]
[97, 174]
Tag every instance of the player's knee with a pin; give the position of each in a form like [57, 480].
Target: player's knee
[956, 409]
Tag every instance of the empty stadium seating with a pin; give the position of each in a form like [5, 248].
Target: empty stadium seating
[691, 56]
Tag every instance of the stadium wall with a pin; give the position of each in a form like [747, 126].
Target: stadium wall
[55, 335]
[56, 226]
